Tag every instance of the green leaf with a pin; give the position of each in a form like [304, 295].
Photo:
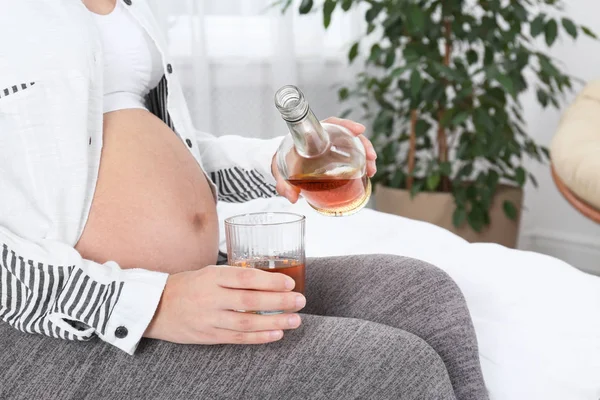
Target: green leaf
[346, 4]
[433, 181]
[345, 113]
[375, 52]
[460, 118]
[390, 57]
[570, 27]
[445, 168]
[422, 128]
[537, 25]
[476, 218]
[542, 97]
[520, 176]
[393, 26]
[588, 32]
[446, 119]
[493, 178]
[416, 188]
[384, 121]
[486, 197]
[519, 11]
[507, 83]
[343, 94]
[410, 54]
[373, 12]
[551, 32]
[353, 52]
[416, 19]
[460, 195]
[472, 57]
[306, 6]
[465, 171]
[416, 83]
[483, 121]
[328, 9]
[488, 56]
[396, 72]
[533, 180]
[447, 72]
[433, 92]
[546, 152]
[459, 216]
[397, 180]
[510, 210]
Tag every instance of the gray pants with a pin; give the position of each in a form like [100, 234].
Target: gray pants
[376, 327]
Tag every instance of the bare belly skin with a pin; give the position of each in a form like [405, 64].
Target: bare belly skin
[153, 207]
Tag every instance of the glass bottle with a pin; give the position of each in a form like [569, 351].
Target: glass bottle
[326, 161]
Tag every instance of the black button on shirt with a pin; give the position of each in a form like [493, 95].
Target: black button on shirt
[128, 2]
[169, 67]
[189, 143]
[121, 332]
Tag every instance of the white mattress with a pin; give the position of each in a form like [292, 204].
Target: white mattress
[537, 318]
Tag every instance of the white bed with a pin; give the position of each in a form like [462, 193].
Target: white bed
[537, 318]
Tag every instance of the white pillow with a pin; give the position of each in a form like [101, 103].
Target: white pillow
[537, 319]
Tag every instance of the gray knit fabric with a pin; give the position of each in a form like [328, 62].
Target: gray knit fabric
[406, 294]
[396, 329]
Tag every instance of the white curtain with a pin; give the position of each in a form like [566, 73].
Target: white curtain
[232, 55]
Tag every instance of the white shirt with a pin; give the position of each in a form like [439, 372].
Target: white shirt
[133, 66]
[51, 113]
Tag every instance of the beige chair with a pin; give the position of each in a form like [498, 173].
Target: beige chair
[575, 153]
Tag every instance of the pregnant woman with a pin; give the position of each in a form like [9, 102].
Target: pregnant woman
[109, 231]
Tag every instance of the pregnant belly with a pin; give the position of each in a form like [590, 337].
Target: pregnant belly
[153, 207]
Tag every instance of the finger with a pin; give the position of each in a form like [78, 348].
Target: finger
[371, 168]
[248, 322]
[224, 336]
[253, 279]
[282, 187]
[354, 127]
[370, 150]
[288, 191]
[253, 300]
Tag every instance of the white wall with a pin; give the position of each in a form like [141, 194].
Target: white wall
[550, 225]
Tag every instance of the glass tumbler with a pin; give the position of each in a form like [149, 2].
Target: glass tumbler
[271, 241]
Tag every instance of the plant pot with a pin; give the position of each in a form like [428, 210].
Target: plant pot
[437, 208]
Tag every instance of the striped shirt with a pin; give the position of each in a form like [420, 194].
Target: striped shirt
[50, 143]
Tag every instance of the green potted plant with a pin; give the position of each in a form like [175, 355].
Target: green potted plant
[442, 85]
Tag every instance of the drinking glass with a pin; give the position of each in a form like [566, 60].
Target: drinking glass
[270, 241]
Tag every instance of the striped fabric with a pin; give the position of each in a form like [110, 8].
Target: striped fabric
[31, 292]
[15, 89]
[234, 185]
[157, 102]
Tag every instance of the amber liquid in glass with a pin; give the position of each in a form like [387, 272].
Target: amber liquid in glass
[290, 267]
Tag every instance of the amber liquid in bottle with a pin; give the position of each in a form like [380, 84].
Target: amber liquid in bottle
[334, 194]
[325, 161]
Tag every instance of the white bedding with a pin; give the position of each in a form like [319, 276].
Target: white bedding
[537, 318]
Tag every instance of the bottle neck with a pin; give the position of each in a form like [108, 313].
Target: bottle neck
[310, 139]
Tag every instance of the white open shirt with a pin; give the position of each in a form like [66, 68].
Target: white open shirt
[50, 143]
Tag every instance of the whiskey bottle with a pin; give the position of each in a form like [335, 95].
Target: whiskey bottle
[324, 160]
